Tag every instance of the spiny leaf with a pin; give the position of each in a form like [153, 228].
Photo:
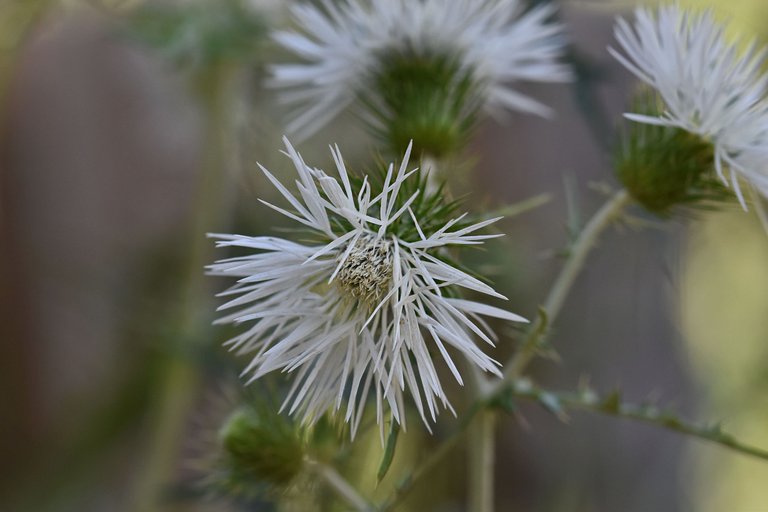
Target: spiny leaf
[389, 452]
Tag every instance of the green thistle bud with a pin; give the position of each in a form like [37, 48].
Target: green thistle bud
[259, 449]
[427, 98]
[665, 167]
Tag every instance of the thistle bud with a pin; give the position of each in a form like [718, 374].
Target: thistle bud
[259, 449]
[664, 167]
[427, 98]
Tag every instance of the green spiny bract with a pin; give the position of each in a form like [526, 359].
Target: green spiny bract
[259, 449]
[428, 98]
[432, 207]
[665, 167]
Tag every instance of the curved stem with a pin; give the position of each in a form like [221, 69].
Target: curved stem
[554, 301]
[564, 282]
[612, 406]
[340, 486]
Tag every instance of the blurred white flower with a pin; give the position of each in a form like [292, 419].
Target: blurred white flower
[368, 307]
[709, 87]
[344, 43]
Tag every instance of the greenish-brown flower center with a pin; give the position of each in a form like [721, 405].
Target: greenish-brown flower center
[366, 273]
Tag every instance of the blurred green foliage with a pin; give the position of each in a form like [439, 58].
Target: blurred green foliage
[201, 34]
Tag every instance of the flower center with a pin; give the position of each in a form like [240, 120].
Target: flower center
[367, 272]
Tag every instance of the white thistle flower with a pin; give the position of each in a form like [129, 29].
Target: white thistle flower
[708, 86]
[343, 43]
[368, 309]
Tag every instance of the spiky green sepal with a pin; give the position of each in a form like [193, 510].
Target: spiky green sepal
[425, 97]
[260, 453]
[432, 206]
[664, 168]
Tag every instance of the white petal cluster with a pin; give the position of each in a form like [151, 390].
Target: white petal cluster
[364, 314]
[709, 87]
[341, 44]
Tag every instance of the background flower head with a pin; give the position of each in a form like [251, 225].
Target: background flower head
[708, 87]
[367, 308]
[474, 49]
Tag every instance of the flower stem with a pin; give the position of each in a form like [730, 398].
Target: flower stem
[482, 460]
[587, 239]
[340, 486]
[612, 406]
[481, 490]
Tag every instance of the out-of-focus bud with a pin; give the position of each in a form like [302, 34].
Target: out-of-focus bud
[429, 99]
[664, 167]
[259, 452]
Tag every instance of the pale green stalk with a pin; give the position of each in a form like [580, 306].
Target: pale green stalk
[613, 406]
[481, 483]
[482, 457]
[584, 244]
[482, 444]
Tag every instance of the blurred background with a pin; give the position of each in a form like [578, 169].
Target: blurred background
[129, 129]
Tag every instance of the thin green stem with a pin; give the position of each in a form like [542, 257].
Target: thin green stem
[482, 460]
[340, 486]
[613, 406]
[587, 239]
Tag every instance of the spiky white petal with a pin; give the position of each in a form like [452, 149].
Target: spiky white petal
[366, 312]
[709, 87]
[341, 44]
